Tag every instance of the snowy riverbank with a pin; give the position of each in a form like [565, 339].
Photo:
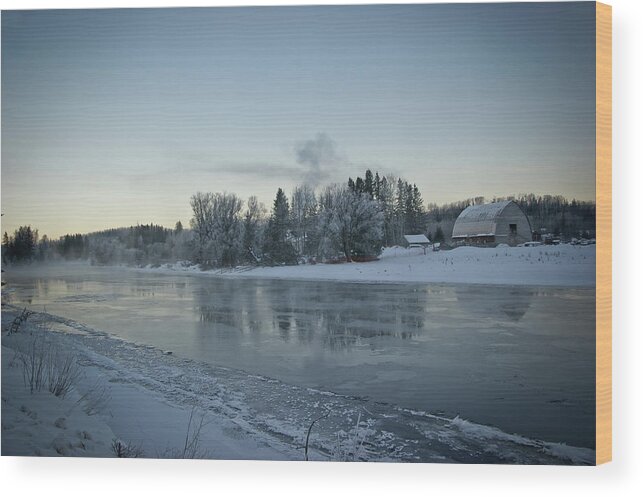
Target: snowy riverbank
[153, 402]
[108, 403]
[545, 265]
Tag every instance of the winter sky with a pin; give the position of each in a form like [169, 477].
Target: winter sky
[113, 117]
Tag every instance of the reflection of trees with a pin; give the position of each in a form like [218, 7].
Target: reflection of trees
[180, 288]
[71, 286]
[140, 291]
[496, 302]
[338, 315]
[343, 314]
[221, 304]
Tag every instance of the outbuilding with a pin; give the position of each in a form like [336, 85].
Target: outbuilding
[418, 241]
[492, 224]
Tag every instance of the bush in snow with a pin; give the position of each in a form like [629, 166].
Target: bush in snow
[44, 366]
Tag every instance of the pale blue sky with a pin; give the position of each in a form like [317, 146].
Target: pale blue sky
[112, 117]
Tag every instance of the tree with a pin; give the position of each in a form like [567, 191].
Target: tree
[386, 198]
[178, 227]
[252, 229]
[359, 185]
[438, 236]
[352, 222]
[21, 247]
[369, 187]
[276, 244]
[416, 214]
[227, 228]
[202, 222]
[217, 224]
[302, 215]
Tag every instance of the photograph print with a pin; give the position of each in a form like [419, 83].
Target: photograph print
[316, 233]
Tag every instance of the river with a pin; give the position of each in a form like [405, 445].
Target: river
[517, 358]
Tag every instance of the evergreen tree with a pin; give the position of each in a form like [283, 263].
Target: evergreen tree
[368, 183]
[277, 245]
[417, 214]
[376, 186]
[21, 247]
[438, 236]
[359, 185]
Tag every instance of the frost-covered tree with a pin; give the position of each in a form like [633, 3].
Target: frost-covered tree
[253, 227]
[180, 245]
[216, 222]
[202, 222]
[386, 198]
[302, 215]
[227, 228]
[351, 222]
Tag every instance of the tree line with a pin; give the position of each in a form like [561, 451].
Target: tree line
[352, 221]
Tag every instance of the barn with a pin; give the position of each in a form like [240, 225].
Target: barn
[491, 224]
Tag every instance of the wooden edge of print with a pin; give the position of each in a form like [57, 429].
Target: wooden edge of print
[603, 233]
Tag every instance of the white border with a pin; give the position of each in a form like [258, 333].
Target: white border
[54, 477]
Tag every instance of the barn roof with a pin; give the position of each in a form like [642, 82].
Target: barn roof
[416, 239]
[479, 220]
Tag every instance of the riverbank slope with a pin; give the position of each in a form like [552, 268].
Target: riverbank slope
[545, 265]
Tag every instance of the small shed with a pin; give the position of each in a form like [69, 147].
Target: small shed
[491, 224]
[418, 241]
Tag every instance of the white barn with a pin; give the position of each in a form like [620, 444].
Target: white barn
[491, 224]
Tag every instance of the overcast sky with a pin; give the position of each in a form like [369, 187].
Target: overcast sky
[113, 117]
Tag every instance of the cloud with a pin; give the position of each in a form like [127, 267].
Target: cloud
[319, 158]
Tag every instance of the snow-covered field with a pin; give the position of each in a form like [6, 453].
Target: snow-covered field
[553, 265]
[160, 405]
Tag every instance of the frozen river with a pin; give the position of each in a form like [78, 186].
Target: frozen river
[517, 358]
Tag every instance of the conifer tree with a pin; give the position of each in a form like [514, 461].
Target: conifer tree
[277, 246]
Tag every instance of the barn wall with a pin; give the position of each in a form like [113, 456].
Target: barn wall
[512, 214]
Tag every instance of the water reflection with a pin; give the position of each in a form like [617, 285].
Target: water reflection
[291, 312]
[509, 304]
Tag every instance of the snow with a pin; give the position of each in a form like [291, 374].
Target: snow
[41, 424]
[418, 239]
[108, 404]
[545, 265]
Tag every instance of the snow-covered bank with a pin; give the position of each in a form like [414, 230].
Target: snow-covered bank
[106, 404]
[553, 265]
[146, 398]
[41, 424]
